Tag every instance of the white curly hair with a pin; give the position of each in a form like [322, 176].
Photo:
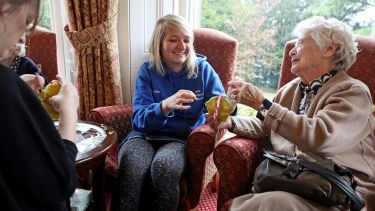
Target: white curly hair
[325, 32]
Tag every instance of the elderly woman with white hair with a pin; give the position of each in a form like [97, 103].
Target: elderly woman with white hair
[322, 114]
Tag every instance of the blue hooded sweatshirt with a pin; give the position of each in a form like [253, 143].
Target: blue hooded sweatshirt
[151, 89]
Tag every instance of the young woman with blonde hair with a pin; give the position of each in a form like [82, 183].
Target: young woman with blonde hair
[168, 103]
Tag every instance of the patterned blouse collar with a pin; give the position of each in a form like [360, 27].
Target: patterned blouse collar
[309, 91]
[315, 85]
[15, 64]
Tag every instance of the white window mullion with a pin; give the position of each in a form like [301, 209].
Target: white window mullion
[64, 49]
[124, 49]
[191, 11]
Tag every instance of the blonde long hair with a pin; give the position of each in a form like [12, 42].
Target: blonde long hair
[177, 23]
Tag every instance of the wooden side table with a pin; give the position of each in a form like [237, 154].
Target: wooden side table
[94, 140]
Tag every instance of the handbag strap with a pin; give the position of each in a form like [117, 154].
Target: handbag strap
[357, 202]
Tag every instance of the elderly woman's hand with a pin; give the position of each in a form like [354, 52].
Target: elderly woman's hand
[216, 125]
[177, 101]
[246, 93]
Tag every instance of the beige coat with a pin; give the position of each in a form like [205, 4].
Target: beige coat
[338, 125]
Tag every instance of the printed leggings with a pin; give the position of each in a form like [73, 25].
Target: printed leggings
[149, 175]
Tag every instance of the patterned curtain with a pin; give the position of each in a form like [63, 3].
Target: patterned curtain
[92, 30]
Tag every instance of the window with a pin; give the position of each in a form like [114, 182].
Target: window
[46, 20]
[262, 27]
[54, 18]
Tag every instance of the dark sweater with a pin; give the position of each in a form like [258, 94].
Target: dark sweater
[24, 65]
[37, 167]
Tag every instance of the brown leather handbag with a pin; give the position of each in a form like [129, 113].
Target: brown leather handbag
[325, 182]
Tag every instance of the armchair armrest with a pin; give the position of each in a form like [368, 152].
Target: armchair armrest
[200, 145]
[118, 117]
[236, 159]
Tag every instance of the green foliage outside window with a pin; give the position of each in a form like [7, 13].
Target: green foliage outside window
[45, 20]
[262, 27]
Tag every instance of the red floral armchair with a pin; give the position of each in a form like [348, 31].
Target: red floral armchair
[237, 158]
[221, 51]
[41, 48]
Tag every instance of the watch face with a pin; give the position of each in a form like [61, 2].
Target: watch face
[263, 111]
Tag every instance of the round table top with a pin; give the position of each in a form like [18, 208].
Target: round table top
[104, 135]
[93, 141]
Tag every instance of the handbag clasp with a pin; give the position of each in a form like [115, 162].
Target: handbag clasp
[292, 170]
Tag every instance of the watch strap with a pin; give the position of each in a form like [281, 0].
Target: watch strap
[266, 104]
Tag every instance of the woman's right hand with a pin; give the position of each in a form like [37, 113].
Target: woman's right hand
[35, 81]
[246, 93]
[177, 101]
[66, 102]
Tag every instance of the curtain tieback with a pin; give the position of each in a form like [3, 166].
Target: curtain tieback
[93, 36]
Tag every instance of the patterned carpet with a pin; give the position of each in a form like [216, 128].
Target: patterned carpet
[208, 200]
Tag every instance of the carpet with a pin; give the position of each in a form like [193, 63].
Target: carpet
[208, 200]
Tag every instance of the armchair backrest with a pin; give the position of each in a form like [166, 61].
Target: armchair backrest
[220, 49]
[41, 48]
[363, 69]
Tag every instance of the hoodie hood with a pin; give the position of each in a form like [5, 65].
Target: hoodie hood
[201, 58]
